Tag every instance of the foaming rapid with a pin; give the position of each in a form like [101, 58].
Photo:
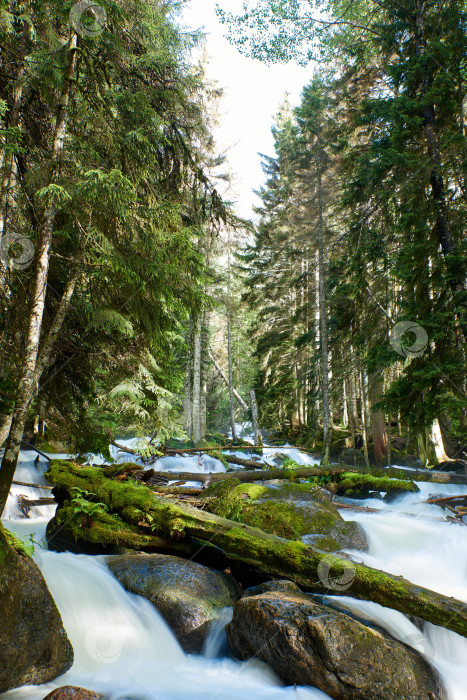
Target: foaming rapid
[428, 552]
[123, 647]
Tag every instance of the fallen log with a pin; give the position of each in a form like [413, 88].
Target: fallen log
[37, 502]
[250, 463]
[250, 549]
[257, 475]
[32, 486]
[364, 509]
[447, 500]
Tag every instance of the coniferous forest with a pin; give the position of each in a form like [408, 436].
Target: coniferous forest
[271, 411]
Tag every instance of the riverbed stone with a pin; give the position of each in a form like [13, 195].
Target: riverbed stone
[188, 595]
[72, 692]
[309, 643]
[289, 510]
[34, 647]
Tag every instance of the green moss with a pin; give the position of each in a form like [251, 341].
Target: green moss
[104, 529]
[272, 510]
[116, 495]
[47, 447]
[355, 485]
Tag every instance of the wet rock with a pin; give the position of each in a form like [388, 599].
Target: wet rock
[188, 595]
[34, 647]
[458, 466]
[294, 511]
[308, 643]
[72, 692]
[280, 585]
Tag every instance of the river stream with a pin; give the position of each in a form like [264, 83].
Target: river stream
[125, 650]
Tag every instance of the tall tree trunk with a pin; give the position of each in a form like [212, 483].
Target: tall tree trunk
[456, 271]
[27, 373]
[364, 418]
[323, 332]
[187, 401]
[254, 418]
[52, 335]
[230, 370]
[197, 380]
[378, 424]
[8, 160]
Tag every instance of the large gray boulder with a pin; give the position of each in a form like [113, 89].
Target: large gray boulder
[188, 595]
[34, 647]
[308, 643]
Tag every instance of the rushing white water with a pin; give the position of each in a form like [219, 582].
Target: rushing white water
[124, 649]
[430, 553]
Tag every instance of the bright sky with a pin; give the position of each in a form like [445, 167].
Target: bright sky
[253, 95]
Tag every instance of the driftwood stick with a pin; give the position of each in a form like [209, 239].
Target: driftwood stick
[38, 502]
[32, 486]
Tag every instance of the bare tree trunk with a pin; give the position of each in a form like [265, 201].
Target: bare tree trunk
[47, 347]
[364, 419]
[225, 378]
[378, 424]
[230, 370]
[28, 368]
[8, 161]
[323, 321]
[197, 381]
[254, 418]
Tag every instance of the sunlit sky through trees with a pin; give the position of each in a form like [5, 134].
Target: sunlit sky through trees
[253, 93]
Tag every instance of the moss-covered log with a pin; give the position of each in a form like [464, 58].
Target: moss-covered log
[258, 551]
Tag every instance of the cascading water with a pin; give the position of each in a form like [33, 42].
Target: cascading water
[430, 553]
[124, 649]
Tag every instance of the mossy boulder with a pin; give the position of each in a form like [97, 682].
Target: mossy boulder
[188, 595]
[308, 643]
[288, 510]
[34, 647]
[353, 485]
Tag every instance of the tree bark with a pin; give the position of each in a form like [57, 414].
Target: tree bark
[456, 273]
[230, 369]
[225, 378]
[28, 367]
[364, 418]
[378, 423]
[197, 381]
[323, 331]
[254, 418]
[8, 162]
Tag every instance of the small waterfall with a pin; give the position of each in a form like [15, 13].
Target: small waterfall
[216, 642]
[432, 554]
